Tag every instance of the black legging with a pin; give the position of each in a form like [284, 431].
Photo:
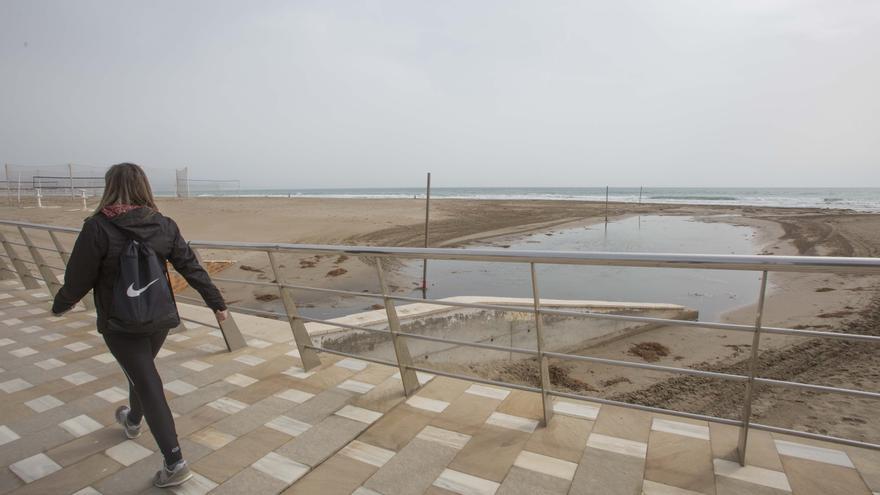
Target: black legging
[136, 355]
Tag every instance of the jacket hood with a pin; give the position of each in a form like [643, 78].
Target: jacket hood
[141, 223]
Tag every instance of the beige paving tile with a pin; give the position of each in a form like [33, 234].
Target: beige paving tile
[238, 454]
[761, 451]
[444, 389]
[625, 423]
[338, 475]
[680, 461]
[504, 444]
[564, 438]
[809, 477]
[211, 438]
[523, 404]
[466, 414]
[397, 428]
[751, 474]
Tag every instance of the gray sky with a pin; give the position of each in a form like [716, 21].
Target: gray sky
[374, 94]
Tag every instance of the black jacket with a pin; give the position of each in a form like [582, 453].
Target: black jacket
[94, 261]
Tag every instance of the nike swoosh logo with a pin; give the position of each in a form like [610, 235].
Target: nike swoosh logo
[132, 292]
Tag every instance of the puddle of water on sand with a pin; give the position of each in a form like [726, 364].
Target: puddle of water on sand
[712, 292]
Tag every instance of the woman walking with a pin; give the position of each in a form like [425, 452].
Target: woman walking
[128, 240]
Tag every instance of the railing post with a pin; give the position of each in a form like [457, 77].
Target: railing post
[27, 278]
[543, 363]
[228, 328]
[753, 367]
[48, 275]
[404, 361]
[307, 354]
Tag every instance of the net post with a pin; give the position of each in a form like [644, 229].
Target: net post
[544, 366]
[307, 354]
[48, 275]
[404, 361]
[750, 384]
[25, 275]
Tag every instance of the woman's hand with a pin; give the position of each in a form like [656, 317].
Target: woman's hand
[221, 315]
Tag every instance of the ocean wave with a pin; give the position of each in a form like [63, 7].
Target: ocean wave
[699, 198]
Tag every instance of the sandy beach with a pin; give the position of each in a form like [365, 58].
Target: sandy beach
[810, 301]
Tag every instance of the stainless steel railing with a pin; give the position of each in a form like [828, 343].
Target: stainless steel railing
[403, 360]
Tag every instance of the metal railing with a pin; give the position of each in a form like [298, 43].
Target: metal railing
[379, 256]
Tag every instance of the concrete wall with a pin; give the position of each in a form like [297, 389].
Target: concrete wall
[504, 328]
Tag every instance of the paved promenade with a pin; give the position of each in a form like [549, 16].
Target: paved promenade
[253, 421]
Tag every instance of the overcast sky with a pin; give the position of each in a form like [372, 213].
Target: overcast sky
[481, 93]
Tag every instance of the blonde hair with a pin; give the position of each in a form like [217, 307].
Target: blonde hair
[126, 184]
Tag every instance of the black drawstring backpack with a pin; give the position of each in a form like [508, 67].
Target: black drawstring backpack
[143, 302]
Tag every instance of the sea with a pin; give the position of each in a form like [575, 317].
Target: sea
[858, 199]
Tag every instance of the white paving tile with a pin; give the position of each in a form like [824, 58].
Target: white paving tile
[227, 405]
[197, 485]
[5, 342]
[34, 467]
[210, 348]
[258, 343]
[31, 329]
[240, 380]
[78, 324]
[52, 337]
[80, 425]
[618, 445]
[44, 403]
[7, 435]
[365, 491]
[250, 360]
[49, 364]
[180, 387]
[87, 491]
[427, 404]
[23, 352]
[191, 325]
[280, 467]
[566, 408]
[752, 474]
[445, 437]
[294, 395]
[14, 385]
[680, 428]
[14, 321]
[77, 346]
[288, 425]
[298, 373]
[113, 394]
[176, 337]
[527, 425]
[128, 452]
[819, 454]
[550, 466]
[422, 377]
[196, 365]
[359, 414]
[79, 378]
[490, 392]
[104, 358]
[352, 364]
[465, 484]
[366, 453]
[356, 386]
[293, 353]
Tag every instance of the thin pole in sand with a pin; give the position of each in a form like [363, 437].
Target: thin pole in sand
[640, 194]
[427, 216]
[606, 204]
